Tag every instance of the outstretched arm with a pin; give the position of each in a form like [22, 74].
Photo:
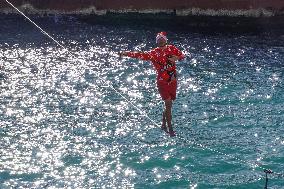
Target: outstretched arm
[138, 55]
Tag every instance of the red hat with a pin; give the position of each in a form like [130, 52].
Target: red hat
[161, 35]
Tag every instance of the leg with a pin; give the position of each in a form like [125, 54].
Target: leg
[168, 96]
[164, 123]
[168, 113]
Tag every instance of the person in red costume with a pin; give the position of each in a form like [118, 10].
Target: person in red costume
[163, 58]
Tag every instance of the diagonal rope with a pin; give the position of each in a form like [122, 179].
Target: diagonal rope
[109, 85]
[44, 32]
[139, 109]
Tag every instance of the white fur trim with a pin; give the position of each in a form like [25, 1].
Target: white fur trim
[159, 36]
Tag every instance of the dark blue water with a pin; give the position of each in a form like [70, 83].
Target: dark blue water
[61, 126]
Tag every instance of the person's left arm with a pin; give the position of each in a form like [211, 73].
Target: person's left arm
[177, 54]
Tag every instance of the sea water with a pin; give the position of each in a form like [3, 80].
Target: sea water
[68, 118]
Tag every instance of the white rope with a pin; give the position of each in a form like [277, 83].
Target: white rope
[109, 85]
[44, 32]
[128, 101]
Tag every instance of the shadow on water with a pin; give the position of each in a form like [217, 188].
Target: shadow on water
[200, 24]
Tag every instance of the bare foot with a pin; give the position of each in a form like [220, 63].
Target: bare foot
[172, 133]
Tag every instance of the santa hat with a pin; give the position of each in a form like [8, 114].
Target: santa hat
[161, 35]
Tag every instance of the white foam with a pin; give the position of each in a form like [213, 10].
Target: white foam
[224, 12]
[28, 8]
[144, 11]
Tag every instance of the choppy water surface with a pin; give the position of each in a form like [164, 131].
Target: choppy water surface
[63, 127]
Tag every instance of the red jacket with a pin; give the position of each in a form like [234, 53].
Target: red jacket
[166, 70]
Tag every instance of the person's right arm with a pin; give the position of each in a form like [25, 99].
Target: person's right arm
[138, 55]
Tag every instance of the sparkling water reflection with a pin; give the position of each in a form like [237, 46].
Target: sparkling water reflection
[63, 127]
